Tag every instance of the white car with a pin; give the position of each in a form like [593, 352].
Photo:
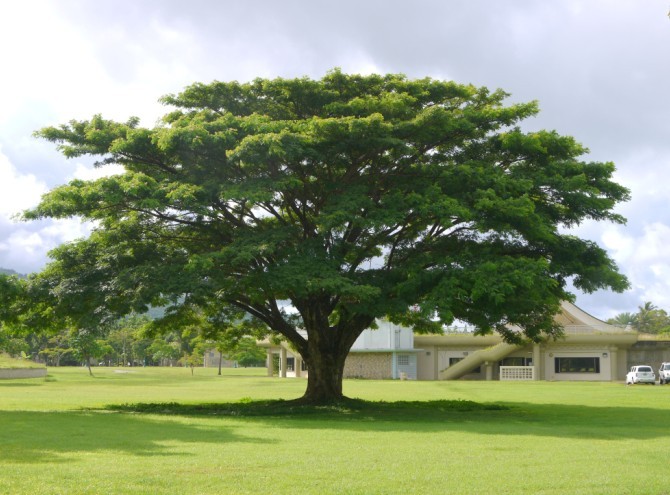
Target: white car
[664, 373]
[640, 374]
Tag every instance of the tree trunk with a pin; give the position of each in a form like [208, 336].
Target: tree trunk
[324, 380]
[220, 360]
[325, 352]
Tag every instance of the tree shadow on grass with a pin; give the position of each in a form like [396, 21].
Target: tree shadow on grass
[41, 437]
[52, 437]
[18, 384]
[548, 420]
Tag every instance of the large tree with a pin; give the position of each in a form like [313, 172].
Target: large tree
[316, 206]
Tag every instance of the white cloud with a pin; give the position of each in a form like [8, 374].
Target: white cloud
[642, 256]
[47, 54]
[595, 67]
[653, 245]
[64, 230]
[24, 242]
[619, 245]
[25, 247]
[87, 172]
[17, 192]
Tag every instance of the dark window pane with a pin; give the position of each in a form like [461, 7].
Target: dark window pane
[577, 365]
[454, 360]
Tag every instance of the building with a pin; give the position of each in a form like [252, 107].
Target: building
[590, 350]
[386, 352]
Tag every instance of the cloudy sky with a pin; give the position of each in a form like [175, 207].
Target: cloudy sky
[600, 70]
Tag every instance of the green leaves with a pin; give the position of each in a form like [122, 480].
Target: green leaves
[345, 199]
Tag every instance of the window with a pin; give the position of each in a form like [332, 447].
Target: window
[577, 365]
[403, 360]
[454, 360]
[516, 361]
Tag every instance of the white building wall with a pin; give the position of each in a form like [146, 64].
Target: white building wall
[445, 355]
[386, 336]
[406, 365]
[427, 363]
[551, 354]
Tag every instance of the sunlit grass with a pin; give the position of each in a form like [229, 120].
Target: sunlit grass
[69, 433]
[9, 362]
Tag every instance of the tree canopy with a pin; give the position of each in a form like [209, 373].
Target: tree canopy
[321, 205]
[648, 319]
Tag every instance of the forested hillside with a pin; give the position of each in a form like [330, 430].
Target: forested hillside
[9, 271]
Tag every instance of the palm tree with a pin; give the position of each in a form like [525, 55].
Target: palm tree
[624, 320]
[646, 317]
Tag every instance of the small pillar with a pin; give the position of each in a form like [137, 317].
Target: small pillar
[614, 364]
[536, 362]
[297, 364]
[269, 362]
[282, 362]
[488, 366]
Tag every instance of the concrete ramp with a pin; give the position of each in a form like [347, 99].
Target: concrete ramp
[477, 358]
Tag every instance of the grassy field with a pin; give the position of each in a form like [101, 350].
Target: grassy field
[61, 435]
[7, 362]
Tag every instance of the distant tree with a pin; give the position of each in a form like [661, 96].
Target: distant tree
[124, 334]
[56, 348]
[164, 352]
[35, 306]
[86, 346]
[623, 320]
[248, 353]
[648, 319]
[140, 350]
[11, 292]
[651, 319]
[14, 346]
[324, 204]
[194, 357]
[235, 343]
[207, 326]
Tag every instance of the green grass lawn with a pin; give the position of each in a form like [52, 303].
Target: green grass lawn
[59, 435]
[11, 363]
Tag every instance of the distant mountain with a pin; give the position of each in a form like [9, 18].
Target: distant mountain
[9, 271]
[156, 313]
